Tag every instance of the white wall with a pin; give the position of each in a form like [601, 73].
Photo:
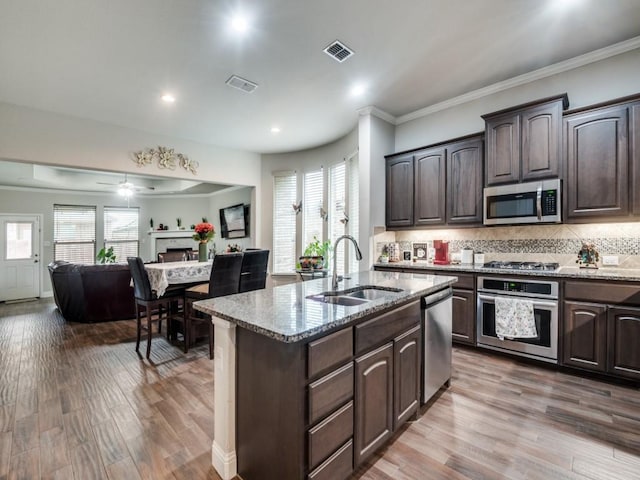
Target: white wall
[301, 161]
[163, 209]
[36, 136]
[376, 139]
[233, 197]
[594, 83]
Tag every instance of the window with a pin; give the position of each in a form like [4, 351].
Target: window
[74, 233]
[353, 208]
[121, 231]
[312, 220]
[328, 196]
[19, 238]
[337, 211]
[285, 187]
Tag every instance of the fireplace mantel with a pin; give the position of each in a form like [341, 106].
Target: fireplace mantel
[169, 239]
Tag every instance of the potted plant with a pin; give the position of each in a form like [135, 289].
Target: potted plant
[316, 255]
[106, 255]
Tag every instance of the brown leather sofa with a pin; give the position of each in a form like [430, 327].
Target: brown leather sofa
[92, 293]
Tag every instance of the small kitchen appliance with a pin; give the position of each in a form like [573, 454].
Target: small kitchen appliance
[442, 252]
[466, 256]
[521, 203]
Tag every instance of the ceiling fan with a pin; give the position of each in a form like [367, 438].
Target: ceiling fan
[126, 188]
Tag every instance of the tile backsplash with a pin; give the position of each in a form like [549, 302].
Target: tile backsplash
[545, 243]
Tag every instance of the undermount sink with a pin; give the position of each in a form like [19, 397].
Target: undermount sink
[353, 296]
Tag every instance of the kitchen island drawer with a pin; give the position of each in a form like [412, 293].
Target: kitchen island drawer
[329, 392]
[330, 351]
[328, 435]
[338, 466]
[376, 332]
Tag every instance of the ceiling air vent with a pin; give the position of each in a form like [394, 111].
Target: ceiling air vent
[339, 51]
[241, 84]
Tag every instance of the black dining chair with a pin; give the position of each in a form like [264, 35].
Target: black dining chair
[253, 275]
[174, 256]
[224, 280]
[149, 306]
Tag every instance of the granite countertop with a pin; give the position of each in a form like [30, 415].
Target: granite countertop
[603, 273]
[285, 314]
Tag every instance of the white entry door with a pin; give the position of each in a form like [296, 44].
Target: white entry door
[19, 257]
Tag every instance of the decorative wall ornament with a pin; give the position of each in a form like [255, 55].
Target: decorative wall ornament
[189, 165]
[167, 159]
[143, 158]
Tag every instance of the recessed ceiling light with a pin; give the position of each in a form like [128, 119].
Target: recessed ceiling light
[275, 129]
[239, 24]
[168, 98]
[358, 90]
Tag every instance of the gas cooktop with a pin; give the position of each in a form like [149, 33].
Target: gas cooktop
[549, 267]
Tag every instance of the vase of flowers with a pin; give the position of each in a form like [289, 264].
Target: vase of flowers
[204, 233]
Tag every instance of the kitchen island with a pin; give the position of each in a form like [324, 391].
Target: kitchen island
[308, 389]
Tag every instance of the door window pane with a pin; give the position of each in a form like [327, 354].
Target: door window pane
[19, 240]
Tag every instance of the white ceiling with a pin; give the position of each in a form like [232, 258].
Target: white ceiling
[111, 60]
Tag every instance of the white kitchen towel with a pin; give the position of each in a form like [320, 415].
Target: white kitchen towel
[515, 318]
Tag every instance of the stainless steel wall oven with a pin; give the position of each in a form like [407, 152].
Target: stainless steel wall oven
[544, 296]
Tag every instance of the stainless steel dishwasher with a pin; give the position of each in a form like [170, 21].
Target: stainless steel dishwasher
[436, 325]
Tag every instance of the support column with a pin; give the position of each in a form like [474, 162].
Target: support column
[223, 449]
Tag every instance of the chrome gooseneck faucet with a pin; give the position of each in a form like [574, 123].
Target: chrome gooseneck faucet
[335, 278]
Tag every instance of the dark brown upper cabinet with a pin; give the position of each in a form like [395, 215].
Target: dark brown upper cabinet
[464, 181]
[399, 191]
[436, 185]
[597, 153]
[430, 183]
[523, 143]
[634, 143]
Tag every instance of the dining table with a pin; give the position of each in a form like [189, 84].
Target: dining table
[161, 275]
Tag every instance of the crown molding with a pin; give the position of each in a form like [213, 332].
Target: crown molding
[564, 66]
[376, 112]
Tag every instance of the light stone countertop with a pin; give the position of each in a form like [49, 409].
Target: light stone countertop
[285, 314]
[602, 273]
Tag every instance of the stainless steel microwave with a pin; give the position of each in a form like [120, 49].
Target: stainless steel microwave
[532, 202]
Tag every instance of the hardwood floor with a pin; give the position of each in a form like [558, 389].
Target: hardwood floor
[76, 401]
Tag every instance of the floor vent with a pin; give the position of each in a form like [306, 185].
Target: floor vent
[241, 84]
[339, 51]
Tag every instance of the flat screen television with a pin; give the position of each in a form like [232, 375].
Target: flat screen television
[234, 221]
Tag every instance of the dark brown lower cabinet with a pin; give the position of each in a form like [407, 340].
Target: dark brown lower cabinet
[624, 342]
[464, 316]
[373, 401]
[406, 363]
[585, 335]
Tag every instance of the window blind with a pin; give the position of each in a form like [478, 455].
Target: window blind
[121, 231]
[284, 222]
[353, 195]
[337, 211]
[74, 233]
[311, 206]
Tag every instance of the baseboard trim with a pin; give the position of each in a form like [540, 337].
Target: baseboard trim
[225, 463]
